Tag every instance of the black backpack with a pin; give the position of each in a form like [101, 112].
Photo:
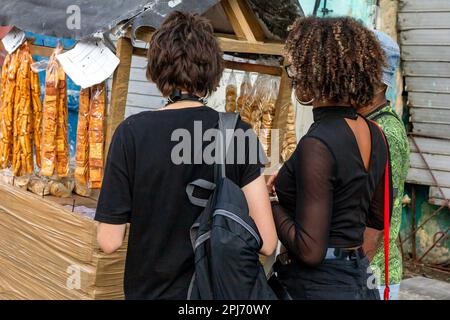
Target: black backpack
[225, 238]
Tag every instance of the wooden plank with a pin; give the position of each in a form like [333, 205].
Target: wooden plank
[232, 45]
[119, 89]
[42, 51]
[423, 177]
[424, 20]
[269, 48]
[423, 5]
[250, 67]
[432, 130]
[232, 18]
[436, 37]
[243, 20]
[431, 145]
[145, 101]
[428, 84]
[427, 115]
[426, 53]
[436, 193]
[429, 100]
[144, 88]
[434, 161]
[439, 198]
[426, 69]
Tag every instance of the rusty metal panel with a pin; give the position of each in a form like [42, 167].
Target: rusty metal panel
[423, 5]
[424, 20]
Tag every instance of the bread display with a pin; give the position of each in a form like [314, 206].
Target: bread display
[20, 113]
[82, 147]
[96, 136]
[290, 137]
[231, 94]
[55, 145]
[90, 140]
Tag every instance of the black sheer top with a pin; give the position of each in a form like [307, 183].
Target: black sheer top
[326, 196]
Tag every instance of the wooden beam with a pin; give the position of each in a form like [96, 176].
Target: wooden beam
[243, 20]
[140, 52]
[250, 67]
[236, 46]
[41, 50]
[119, 89]
[230, 44]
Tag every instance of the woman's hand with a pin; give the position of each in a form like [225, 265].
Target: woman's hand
[271, 183]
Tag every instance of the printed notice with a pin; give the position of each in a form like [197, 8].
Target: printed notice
[13, 40]
[89, 63]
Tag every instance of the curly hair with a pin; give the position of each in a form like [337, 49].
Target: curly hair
[334, 59]
[184, 55]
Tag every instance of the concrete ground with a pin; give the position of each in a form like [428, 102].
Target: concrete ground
[421, 288]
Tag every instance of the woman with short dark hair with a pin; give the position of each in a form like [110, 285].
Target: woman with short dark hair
[334, 184]
[145, 179]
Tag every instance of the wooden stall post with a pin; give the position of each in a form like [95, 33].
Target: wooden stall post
[119, 89]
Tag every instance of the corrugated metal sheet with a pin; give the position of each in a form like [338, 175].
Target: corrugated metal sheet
[425, 40]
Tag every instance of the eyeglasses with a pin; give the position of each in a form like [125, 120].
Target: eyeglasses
[290, 71]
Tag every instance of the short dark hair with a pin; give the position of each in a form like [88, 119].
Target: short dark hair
[335, 59]
[184, 55]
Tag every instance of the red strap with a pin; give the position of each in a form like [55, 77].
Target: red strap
[387, 208]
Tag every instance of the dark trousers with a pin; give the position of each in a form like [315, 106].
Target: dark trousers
[331, 280]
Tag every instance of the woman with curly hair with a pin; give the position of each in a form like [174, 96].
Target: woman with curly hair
[333, 187]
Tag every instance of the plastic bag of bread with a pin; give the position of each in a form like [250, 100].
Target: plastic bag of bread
[244, 94]
[50, 118]
[96, 136]
[9, 74]
[82, 143]
[290, 137]
[268, 107]
[39, 186]
[251, 103]
[21, 182]
[82, 189]
[231, 93]
[62, 188]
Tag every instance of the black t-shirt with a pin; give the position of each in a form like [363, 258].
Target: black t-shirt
[144, 186]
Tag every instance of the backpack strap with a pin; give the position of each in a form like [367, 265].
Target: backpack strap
[227, 123]
[201, 184]
[387, 209]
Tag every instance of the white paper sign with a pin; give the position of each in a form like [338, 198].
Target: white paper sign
[89, 63]
[13, 40]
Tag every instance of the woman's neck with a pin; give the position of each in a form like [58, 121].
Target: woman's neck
[184, 105]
